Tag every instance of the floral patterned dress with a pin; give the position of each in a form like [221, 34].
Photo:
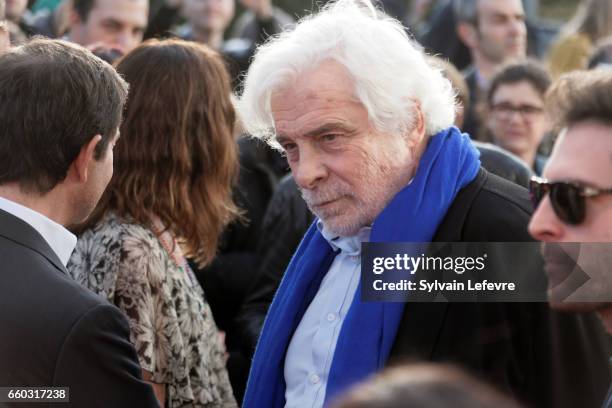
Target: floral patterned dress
[171, 324]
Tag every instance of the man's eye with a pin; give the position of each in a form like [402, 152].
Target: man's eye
[288, 146]
[331, 137]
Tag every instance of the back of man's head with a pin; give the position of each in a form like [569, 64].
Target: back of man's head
[54, 98]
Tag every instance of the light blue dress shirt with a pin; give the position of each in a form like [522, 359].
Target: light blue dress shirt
[312, 347]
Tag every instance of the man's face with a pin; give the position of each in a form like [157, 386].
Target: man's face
[112, 23]
[583, 154]
[346, 169]
[517, 120]
[209, 15]
[15, 9]
[501, 30]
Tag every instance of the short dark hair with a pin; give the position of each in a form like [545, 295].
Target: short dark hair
[528, 70]
[54, 98]
[581, 96]
[83, 8]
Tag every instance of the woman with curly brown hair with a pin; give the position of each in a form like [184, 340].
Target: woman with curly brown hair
[170, 197]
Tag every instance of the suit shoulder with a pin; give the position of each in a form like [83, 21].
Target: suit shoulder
[500, 212]
[498, 191]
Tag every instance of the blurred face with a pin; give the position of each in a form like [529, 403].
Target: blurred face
[517, 121]
[583, 155]
[501, 30]
[15, 9]
[346, 170]
[116, 24]
[211, 16]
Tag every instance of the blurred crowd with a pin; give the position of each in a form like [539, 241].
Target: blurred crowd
[207, 207]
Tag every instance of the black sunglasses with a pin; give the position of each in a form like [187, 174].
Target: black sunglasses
[568, 199]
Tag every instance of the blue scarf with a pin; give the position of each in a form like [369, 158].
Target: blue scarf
[449, 163]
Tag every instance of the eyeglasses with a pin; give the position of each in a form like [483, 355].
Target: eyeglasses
[505, 110]
[568, 199]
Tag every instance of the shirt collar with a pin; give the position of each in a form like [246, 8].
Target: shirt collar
[349, 245]
[61, 241]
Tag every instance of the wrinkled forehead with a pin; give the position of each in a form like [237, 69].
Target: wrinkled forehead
[329, 87]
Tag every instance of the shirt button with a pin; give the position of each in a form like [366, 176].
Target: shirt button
[314, 379]
[331, 317]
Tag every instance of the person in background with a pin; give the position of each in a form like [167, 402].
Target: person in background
[496, 160]
[56, 158]
[230, 274]
[423, 386]
[494, 31]
[170, 199]
[207, 21]
[574, 199]
[515, 116]
[591, 23]
[114, 24]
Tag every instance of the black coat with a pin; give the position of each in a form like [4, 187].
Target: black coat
[53, 332]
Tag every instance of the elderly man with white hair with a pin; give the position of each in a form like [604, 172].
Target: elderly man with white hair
[366, 124]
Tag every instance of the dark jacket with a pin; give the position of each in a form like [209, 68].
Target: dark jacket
[56, 333]
[522, 348]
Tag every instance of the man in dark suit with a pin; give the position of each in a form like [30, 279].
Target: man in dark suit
[60, 109]
[366, 125]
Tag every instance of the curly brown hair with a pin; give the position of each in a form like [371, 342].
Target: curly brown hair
[176, 158]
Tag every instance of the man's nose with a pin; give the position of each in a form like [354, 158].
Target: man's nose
[309, 169]
[125, 41]
[518, 27]
[545, 225]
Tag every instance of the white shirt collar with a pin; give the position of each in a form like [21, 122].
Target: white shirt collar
[349, 245]
[61, 241]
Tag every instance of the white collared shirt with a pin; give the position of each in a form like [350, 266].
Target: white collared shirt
[313, 344]
[61, 241]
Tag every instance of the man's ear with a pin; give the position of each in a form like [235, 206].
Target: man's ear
[84, 159]
[417, 134]
[467, 34]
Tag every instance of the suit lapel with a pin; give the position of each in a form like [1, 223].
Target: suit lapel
[21, 232]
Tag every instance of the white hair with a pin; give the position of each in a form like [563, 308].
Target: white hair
[389, 70]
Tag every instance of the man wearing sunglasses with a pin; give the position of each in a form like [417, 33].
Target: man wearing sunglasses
[574, 198]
